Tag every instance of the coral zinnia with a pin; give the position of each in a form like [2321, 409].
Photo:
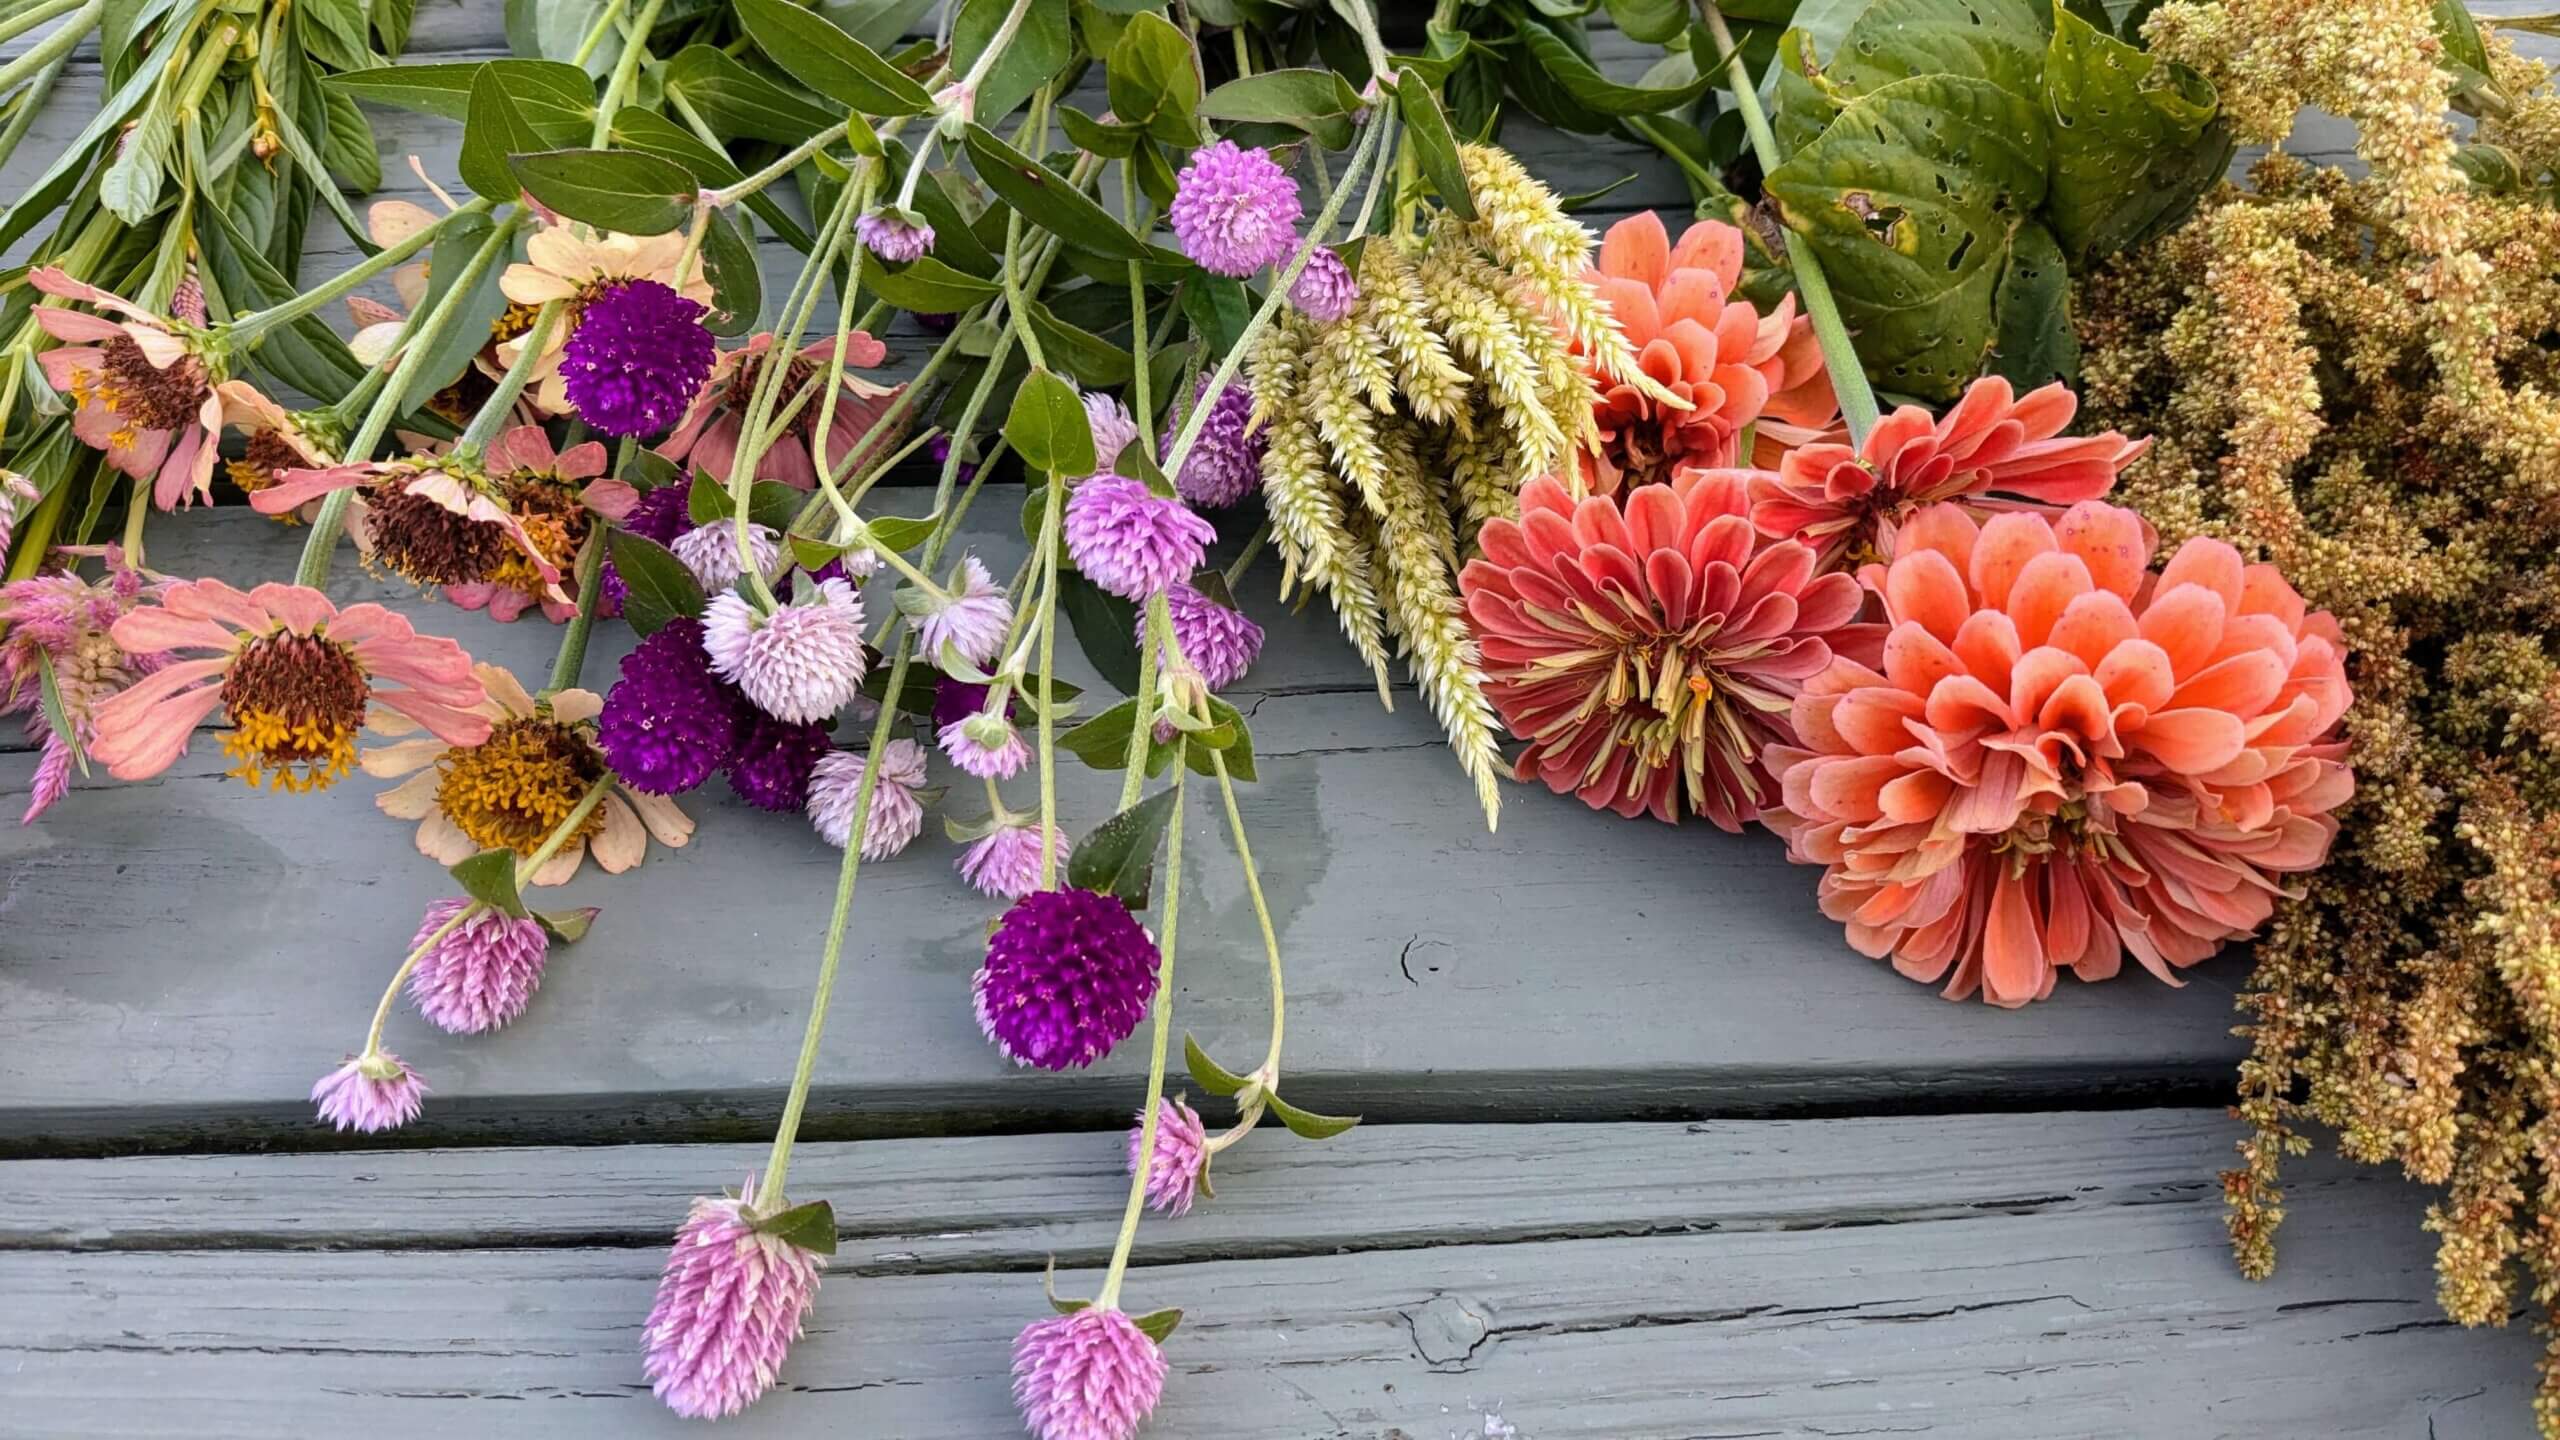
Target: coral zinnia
[2063, 759]
[554, 496]
[296, 675]
[430, 519]
[1647, 645]
[707, 437]
[1735, 366]
[732, 1300]
[1068, 975]
[1993, 442]
[1089, 1375]
[144, 389]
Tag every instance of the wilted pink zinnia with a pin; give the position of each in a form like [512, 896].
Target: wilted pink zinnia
[707, 437]
[144, 389]
[731, 1302]
[2064, 758]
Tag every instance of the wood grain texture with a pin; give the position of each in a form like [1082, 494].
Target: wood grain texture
[1977, 1278]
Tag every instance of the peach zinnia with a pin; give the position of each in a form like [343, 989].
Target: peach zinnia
[1647, 645]
[708, 435]
[296, 675]
[1736, 367]
[144, 389]
[2063, 758]
[1995, 450]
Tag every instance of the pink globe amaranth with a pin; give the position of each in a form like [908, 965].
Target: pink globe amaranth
[1131, 541]
[801, 663]
[971, 620]
[1005, 863]
[369, 1094]
[1180, 1171]
[729, 1305]
[985, 746]
[482, 973]
[1235, 210]
[1325, 290]
[1090, 1375]
[1221, 643]
[897, 815]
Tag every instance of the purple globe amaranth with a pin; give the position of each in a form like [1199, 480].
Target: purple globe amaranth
[1325, 290]
[481, 973]
[1235, 210]
[637, 358]
[1181, 1164]
[668, 724]
[1219, 642]
[1090, 1375]
[894, 237]
[1069, 974]
[660, 515]
[1225, 463]
[957, 700]
[729, 1305]
[776, 758]
[1131, 541]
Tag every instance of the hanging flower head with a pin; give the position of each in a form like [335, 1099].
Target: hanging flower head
[2062, 758]
[1089, 1375]
[707, 437]
[669, 723]
[803, 662]
[429, 519]
[64, 622]
[1069, 974]
[897, 814]
[985, 745]
[278, 442]
[1005, 863]
[146, 389]
[1225, 463]
[731, 1302]
[371, 1093]
[1114, 428]
[896, 236]
[969, 620]
[648, 353]
[1131, 541]
[1219, 641]
[295, 675]
[482, 973]
[1647, 645]
[511, 788]
[1235, 210]
[711, 552]
[1180, 1172]
[555, 497]
[1994, 450]
[1324, 290]
[1736, 367]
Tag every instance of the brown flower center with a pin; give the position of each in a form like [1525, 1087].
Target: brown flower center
[552, 515]
[263, 463]
[423, 542]
[296, 703]
[799, 375]
[509, 791]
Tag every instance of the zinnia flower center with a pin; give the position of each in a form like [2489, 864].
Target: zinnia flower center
[264, 462]
[127, 383]
[797, 377]
[554, 518]
[509, 791]
[296, 702]
[420, 540]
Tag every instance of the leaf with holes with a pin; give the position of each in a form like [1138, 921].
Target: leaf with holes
[1912, 199]
[2135, 141]
[2036, 341]
[1997, 40]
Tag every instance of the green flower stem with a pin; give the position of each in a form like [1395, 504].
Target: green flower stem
[332, 518]
[1139, 380]
[995, 48]
[732, 194]
[1142, 719]
[53, 47]
[1270, 1072]
[1015, 310]
[594, 40]
[1362, 155]
[35, 536]
[1839, 356]
[501, 403]
[573, 641]
[36, 14]
[1367, 26]
[1050, 514]
[1110, 1296]
[1236, 572]
[249, 329]
[31, 102]
[778, 1166]
[625, 70]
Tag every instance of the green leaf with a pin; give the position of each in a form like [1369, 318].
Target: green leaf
[1911, 199]
[37, 199]
[2037, 341]
[1049, 1287]
[1595, 91]
[737, 282]
[567, 927]
[1651, 21]
[554, 29]
[706, 500]
[739, 104]
[1106, 628]
[924, 285]
[2463, 51]
[347, 144]
[2135, 141]
[57, 717]
[1048, 426]
[306, 354]
[1158, 1325]
[655, 134]
[1319, 102]
[1997, 40]
[1043, 195]
[810, 1226]
[391, 21]
[453, 348]
[904, 532]
[1306, 1124]
[1219, 308]
[1088, 357]
[1206, 1073]
[1117, 141]
[1118, 856]
[495, 131]
[131, 185]
[333, 33]
[954, 242]
[1154, 80]
[661, 588]
[1039, 49]
[490, 878]
[557, 100]
[1103, 741]
[1228, 738]
[811, 50]
[622, 190]
[1433, 144]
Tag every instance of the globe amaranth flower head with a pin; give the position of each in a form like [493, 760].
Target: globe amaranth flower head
[711, 553]
[985, 746]
[1235, 210]
[669, 723]
[894, 235]
[1069, 974]
[658, 515]
[1225, 463]
[897, 813]
[1220, 642]
[638, 356]
[1180, 1172]
[776, 760]
[970, 619]
[482, 972]
[1131, 541]
[1089, 1375]
[803, 662]
[565, 264]
[1114, 428]
[1324, 290]
[730, 1303]
[1005, 863]
[371, 1093]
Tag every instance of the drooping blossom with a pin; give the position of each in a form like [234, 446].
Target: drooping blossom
[2061, 758]
[275, 442]
[146, 389]
[1089, 1375]
[1235, 210]
[894, 235]
[65, 622]
[777, 759]
[732, 1300]
[897, 814]
[659, 515]
[430, 519]
[482, 972]
[1219, 641]
[371, 1093]
[969, 620]
[1131, 541]
[1069, 974]
[1225, 462]
[1647, 644]
[1114, 428]
[511, 789]
[556, 497]
[580, 270]
[1180, 1172]
[707, 437]
[669, 723]
[1324, 290]
[296, 676]
[711, 552]
[1994, 450]
[985, 746]
[1736, 367]
[1005, 863]
[802, 662]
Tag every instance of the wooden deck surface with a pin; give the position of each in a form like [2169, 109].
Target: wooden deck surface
[1649, 1152]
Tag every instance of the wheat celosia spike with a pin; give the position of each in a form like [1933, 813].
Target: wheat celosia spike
[1480, 329]
[1342, 414]
[1356, 345]
[1277, 367]
[1308, 520]
[1518, 219]
[1392, 301]
[1483, 489]
[1439, 647]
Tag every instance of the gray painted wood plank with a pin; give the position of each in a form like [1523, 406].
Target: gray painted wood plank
[2116, 1313]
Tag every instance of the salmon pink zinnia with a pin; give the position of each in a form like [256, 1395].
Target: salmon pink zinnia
[144, 389]
[2064, 758]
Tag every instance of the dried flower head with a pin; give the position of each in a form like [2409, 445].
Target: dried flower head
[1069, 974]
[732, 1300]
[146, 389]
[707, 437]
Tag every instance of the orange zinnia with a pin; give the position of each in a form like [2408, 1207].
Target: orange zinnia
[1735, 366]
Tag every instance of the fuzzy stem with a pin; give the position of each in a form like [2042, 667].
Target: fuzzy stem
[1013, 303]
[732, 194]
[1261, 913]
[1110, 1296]
[1048, 728]
[594, 40]
[1133, 769]
[249, 329]
[625, 70]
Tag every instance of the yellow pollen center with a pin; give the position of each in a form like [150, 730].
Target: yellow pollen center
[297, 757]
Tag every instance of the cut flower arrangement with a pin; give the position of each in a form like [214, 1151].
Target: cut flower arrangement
[1633, 519]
